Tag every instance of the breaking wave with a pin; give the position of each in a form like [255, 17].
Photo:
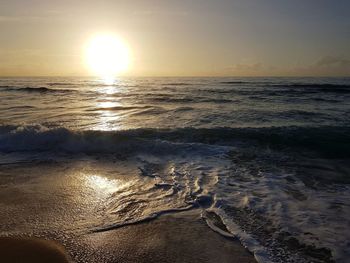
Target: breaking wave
[35, 89]
[329, 141]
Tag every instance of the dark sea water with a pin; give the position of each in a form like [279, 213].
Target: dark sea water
[269, 157]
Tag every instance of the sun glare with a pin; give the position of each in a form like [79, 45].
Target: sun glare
[107, 56]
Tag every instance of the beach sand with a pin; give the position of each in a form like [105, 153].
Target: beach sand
[22, 250]
[182, 237]
[61, 204]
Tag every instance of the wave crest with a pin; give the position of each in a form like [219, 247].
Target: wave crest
[329, 141]
[35, 89]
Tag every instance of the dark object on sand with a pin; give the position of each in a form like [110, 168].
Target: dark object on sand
[27, 250]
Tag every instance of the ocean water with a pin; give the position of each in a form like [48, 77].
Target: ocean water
[265, 159]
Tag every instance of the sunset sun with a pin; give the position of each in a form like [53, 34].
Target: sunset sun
[107, 55]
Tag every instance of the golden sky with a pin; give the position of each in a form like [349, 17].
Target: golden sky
[179, 38]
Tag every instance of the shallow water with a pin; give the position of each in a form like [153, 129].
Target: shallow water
[268, 155]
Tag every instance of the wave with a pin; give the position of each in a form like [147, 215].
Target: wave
[272, 92]
[61, 84]
[288, 84]
[272, 88]
[24, 107]
[330, 141]
[38, 138]
[173, 100]
[292, 113]
[140, 220]
[120, 108]
[326, 100]
[235, 82]
[150, 111]
[35, 89]
[181, 109]
[312, 88]
[312, 85]
[318, 88]
[190, 100]
[178, 84]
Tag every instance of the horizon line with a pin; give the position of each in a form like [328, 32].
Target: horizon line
[178, 76]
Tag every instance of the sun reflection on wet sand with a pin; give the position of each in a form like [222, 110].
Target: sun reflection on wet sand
[102, 184]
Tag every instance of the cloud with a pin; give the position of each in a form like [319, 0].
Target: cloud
[17, 18]
[248, 67]
[245, 69]
[9, 18]
[154, 12]
[325, 66]
[331, 61]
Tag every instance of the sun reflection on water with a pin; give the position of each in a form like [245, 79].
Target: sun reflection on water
[108, 86]
[109, 81]
[109, 90]
[107, 106]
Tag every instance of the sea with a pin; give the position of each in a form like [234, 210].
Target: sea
[266, 160]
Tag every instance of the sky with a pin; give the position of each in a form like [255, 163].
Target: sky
[179, 38]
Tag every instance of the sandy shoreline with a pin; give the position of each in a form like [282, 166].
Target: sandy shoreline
[66, 202]
[181, 237]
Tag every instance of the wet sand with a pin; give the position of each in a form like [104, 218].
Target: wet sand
[181, 237]
[62, 205]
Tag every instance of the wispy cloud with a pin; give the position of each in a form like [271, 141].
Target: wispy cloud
[18, 18]
[325, 66]
[245, 69]
[331, 61]
[9, 18]
[154, 12]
